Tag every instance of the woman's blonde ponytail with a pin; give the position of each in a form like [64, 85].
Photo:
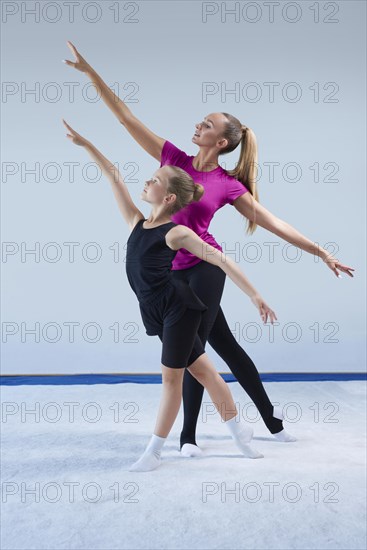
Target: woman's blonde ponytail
[245, 170]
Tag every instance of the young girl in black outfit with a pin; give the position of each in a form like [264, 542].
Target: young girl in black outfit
[169, 307]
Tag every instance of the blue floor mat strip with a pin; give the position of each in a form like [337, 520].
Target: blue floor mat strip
[147, 378]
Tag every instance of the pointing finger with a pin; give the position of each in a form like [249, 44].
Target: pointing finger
[66, 124]
[73, 48]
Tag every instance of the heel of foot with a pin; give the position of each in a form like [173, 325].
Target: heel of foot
[284, 436]
[247, 434]
[188, 450]
[250, 452]
[146, 463]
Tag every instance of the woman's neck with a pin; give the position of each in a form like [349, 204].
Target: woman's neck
[205, 161]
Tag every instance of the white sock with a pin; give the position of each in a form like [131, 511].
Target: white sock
[242, 435]
[277, 412]
[282, 435]
[151, 458]
[188, 449]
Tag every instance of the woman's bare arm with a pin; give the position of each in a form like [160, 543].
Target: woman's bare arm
[148, 140]
[255, 212]
[181, 236]
[125, 203]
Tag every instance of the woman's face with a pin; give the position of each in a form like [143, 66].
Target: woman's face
[155, 189]
[209, 131]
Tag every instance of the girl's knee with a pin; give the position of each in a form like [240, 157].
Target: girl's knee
[203, 370]
[171, 375]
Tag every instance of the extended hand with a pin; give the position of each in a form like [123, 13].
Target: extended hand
[74, 136]
[80, 63]
[334, 265]
[263, 308]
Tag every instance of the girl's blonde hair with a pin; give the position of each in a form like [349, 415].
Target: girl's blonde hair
[183, 186]
[245, 170]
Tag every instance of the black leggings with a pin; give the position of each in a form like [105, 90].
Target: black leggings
[207, 281]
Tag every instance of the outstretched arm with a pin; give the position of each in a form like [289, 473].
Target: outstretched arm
[125, 203]
[149, 141]
[255, 212]
[183, 237]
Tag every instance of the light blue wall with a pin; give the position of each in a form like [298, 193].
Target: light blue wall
[170, 54]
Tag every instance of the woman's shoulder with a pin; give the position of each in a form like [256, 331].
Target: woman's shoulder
[233, 187]
[171, 154]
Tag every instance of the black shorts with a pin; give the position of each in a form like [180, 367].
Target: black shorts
[168, 305]
[181, 341]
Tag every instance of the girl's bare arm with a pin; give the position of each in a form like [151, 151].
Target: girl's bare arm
[181, 236]
[148, 140]
[125, 203]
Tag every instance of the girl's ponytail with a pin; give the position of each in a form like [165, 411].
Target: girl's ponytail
[198, 192]
[181, 184]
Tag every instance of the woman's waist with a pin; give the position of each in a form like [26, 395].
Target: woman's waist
[208, 239]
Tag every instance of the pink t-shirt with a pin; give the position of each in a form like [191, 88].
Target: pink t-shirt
[220, 189]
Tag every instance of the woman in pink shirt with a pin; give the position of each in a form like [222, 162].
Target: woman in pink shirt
[217, 134]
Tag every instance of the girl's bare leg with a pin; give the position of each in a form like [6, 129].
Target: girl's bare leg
[170, 403]
[170, 400]
[203, 370]
[168, 409]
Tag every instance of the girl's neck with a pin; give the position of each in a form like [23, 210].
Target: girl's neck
[157, 218]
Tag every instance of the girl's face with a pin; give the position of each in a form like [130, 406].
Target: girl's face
[210, 130]
[155, 189]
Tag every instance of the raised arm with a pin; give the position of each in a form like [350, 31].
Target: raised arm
[183, 237]
[255, 212]
[149, 141]
[125, 203]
